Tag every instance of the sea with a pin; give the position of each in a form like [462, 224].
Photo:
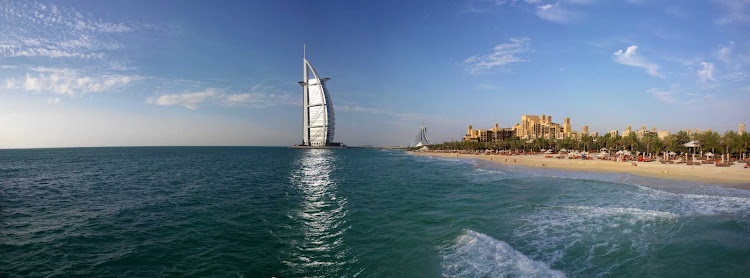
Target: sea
[280, 212]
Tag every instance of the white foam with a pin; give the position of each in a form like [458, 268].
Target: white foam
[694, 204]
[594, 235]
[478, 255]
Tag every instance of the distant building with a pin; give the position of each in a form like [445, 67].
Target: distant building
[595, 134]
[613, 133]
[496, 134]
[532, 127]
[662, 134]
[626, 132]
[585, 130]
[643, 132]
[742, 129]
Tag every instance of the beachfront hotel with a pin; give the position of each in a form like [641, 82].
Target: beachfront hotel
[318, 117]
[531, 127]
[495, 134]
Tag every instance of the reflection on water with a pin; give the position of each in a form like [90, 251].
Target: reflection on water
[320, 220]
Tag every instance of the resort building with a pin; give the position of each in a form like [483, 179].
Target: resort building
[643, 131]
[626, 132]
[594, 134]
[662, 134]
[742, 129]
[532, 127]
[495, 134]
[585, 130]
[613, 133]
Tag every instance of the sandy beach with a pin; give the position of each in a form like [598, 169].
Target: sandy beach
[735, 176]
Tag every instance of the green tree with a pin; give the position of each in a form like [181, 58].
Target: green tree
[710, 140]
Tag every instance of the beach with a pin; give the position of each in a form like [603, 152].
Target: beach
[735, 176]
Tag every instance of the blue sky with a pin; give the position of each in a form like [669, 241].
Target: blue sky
[106, 73]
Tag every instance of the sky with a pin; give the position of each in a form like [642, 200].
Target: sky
[158, 73]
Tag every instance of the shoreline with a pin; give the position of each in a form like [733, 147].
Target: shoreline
[735, 176]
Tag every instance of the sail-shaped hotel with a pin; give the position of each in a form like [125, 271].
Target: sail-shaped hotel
[318, 117]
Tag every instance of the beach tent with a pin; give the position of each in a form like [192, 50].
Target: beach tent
[603, 149]
[618, 152]
[692, 144]
[425, 148]
[563, 150]
[626, 152]
[709, 154]
[548, 152]
[543, 150]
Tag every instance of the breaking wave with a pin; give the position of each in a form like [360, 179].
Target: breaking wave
[475, 254]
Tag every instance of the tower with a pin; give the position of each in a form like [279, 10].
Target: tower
[318, 117]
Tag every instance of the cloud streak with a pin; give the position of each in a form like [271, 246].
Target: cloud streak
[631, 57]
[187, 100]
[707, 73]
[556, 13]
[503, 54]
[68, 82]
[259, 96]
[663, 96]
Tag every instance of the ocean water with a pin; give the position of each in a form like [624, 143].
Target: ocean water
[262, 212]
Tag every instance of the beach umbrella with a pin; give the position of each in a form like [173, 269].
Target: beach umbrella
[709, 154]
[626, 152]
[619, 152]
[603, 149]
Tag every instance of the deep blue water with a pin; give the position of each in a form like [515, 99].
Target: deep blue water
[261, 212]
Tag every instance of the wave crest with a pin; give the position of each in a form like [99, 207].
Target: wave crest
[478, 255]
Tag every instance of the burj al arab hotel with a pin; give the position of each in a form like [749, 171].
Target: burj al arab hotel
[318, 117]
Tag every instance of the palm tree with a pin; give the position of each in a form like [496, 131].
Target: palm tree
[710, 140]
[671, 142]
[731, 142]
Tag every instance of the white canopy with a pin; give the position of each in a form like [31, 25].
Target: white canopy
[692, 144]
[548, 151]
[619, 152]
[425, 148]
[543, 149]
[709, 154]
[671, 153]
[563, 150]
[603, 149]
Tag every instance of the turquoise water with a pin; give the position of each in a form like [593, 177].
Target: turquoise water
[261, 212]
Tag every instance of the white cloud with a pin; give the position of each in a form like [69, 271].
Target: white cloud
[663, 96]
[737, 76]
[347, 108]
[630, 57]
[260, 99]
[737, 11]
[54, 100]
[70, 82]
[31, 29]
[503, 54]
[261, 96]
[725, 52]
[707, 73]
[11, 83]
[10, 50]
[556, 13]
[187, 100]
